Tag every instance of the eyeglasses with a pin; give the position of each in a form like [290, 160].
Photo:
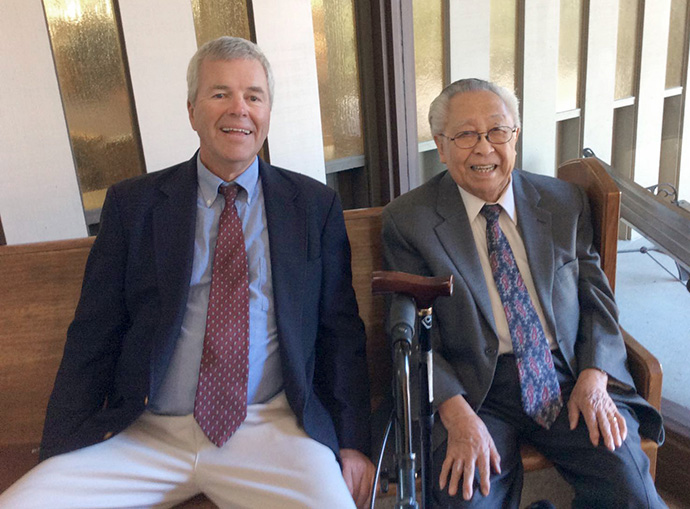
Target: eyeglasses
[496, 136]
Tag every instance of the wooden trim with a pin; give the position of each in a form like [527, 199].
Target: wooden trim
[610, 196]
[676, 418]
[645, 370]
[393, 122]
[671, 476]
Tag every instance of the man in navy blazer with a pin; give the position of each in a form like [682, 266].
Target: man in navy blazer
[119, 428]
[437, 230]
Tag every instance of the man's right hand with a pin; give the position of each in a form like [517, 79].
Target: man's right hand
[470, 447]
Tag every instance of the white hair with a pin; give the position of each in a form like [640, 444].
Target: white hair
[438, 111]
[226, 48]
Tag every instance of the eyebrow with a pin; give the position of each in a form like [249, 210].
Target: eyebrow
[257, 89]
[225, 88]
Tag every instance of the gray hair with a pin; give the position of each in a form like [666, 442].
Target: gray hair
[226, 48]
[438, 111]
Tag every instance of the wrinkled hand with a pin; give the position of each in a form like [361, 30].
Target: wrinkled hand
[358, 472]
[470, 447]
[592, 400]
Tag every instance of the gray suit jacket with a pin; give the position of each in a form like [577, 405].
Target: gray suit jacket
[427, 232]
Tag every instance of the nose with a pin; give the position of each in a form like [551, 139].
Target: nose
[237, 105]
[483, 146]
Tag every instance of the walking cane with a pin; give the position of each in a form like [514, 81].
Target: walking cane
[413, 297]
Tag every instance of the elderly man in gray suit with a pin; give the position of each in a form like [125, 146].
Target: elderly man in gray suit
[528, 348]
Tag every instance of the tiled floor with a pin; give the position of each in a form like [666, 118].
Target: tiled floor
[655, 309]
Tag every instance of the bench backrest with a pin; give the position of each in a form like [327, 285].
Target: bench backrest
[364, 231]
[605, 203]
[39, 289]
[40, 285]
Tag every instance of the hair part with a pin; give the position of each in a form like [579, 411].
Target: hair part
[438, 111]
[226, 48]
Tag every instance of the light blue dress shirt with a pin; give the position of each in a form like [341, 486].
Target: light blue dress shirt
[178, 389]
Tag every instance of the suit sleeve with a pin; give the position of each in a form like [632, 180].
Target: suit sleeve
[600, 343]
[341, 376]
[400, 255]
[93, 338]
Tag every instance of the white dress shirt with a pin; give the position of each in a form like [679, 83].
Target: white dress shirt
[508, 221]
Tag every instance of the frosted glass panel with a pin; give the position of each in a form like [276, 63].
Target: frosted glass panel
[429, 59]
[676, 41]
[626, 58]
[569, 54]
[96, 94]
[503, 42]
[215, 18]
[338, 74]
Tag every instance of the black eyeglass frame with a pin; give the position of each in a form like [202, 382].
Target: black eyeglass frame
[485, 134]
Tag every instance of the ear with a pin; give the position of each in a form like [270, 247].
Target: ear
[190, 111]
[441, 144]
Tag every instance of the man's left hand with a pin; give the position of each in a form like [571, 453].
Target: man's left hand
[601, 415]
[358, 472]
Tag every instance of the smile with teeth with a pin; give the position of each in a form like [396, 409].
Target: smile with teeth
[483, 168]
[235, 130]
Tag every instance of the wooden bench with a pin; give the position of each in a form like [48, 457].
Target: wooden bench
[39, 289]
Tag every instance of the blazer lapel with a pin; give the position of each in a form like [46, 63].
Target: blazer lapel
[455, 235]
[174, 220]
[534, 223]
[287, 233]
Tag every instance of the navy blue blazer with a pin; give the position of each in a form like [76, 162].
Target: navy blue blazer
[134, 296]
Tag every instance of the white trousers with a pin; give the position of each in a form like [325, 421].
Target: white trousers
[160, 461]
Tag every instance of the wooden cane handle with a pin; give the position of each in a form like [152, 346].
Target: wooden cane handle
[423, 290]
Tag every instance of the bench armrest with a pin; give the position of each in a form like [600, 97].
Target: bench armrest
[645, 369]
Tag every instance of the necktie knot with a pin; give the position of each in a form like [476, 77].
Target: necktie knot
[229, 193]
[491, 212]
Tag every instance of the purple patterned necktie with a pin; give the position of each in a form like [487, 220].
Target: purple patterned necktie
[220, 405]
[541, 394]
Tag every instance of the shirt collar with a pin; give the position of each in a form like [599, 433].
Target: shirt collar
[209, 182]
[473, 204]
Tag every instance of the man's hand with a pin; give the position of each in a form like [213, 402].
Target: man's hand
[470, 447]
[602, 418]
[358, 472]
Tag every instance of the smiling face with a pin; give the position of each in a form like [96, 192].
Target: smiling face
[483, 170]
[231, 114]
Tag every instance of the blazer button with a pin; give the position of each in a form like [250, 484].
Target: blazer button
[108, 435]
[490, 350]
[146, 401]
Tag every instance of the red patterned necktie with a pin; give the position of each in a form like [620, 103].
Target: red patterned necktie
[220, 405]
[541, 394]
